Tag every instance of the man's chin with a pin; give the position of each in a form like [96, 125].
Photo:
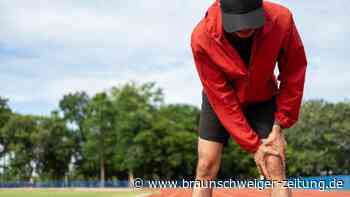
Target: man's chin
[244, 34]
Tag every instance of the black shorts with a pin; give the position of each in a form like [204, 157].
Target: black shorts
[260, 117]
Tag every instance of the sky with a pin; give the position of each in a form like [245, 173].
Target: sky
[49, 48]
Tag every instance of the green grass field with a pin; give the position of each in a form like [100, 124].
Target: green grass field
[68, 193]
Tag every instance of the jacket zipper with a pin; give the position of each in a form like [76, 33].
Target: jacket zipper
[250, 65]
[222, 41]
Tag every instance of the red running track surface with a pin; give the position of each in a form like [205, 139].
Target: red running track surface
[248, 193]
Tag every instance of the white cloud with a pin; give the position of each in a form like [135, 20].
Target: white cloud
[83, 24]
[61, 46]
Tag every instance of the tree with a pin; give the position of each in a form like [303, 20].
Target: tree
[170, 144]
[17, 134]
[73, 108]
[99, 130]
[136, 107]
[5, 114]
[319, 143]
[54, 147]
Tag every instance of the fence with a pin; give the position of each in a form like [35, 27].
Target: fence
[326, 180]
[65, 184]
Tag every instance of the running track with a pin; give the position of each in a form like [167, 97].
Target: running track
[248, 193]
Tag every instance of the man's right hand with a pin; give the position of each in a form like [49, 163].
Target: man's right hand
[259, 158]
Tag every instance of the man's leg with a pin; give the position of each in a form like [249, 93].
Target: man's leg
[261, 117]
[209, 159]
[276, 168]
[277, 173]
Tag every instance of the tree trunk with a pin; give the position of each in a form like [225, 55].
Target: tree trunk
[102, 171]
[131, 176]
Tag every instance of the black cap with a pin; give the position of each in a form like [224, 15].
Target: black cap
[242, 14]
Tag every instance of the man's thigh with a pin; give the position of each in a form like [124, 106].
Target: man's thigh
[210, 127]
[209, 151]
[260, 117]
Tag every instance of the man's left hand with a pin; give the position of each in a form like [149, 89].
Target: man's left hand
[277, 141]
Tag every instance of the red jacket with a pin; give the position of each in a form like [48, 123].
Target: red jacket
[228, 83]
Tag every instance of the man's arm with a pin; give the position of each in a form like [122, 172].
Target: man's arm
[292, 67]
[223, 99]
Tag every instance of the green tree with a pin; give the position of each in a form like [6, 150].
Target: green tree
[319, 143]
[73, 108]
[100, 133]
[54, 147]
[17, 134]
[135, 106]
[167, 150]
[5, 114]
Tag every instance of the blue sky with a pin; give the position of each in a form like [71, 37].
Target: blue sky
[50, 48]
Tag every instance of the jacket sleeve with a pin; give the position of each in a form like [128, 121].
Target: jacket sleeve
[223, 100]
[292, 68]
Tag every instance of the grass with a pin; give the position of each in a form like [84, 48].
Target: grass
[67, 193]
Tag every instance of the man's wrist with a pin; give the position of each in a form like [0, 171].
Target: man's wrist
[277, 124]
[257, 147]
[277, 127]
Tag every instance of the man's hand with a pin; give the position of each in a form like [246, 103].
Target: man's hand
[259, 158]
[277, 141]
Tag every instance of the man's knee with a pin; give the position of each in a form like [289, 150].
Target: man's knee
[207, 168]
[209, 158]
[275, 167]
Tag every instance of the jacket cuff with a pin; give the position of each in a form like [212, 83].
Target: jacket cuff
[276, 122]
[255, 148]
[282, 120]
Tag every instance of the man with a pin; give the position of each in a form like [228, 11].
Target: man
[236, 47]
